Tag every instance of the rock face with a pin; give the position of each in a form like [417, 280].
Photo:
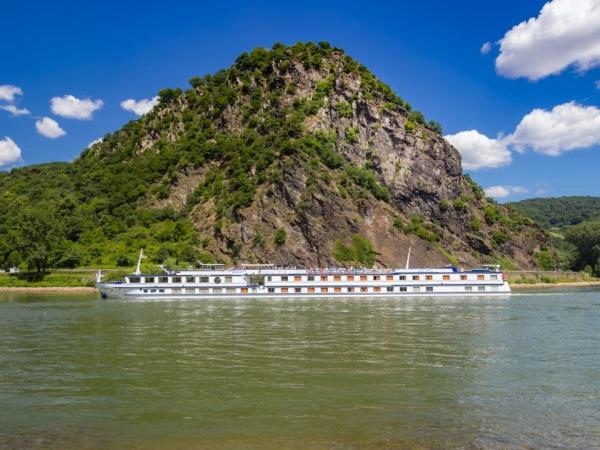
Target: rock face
[322, 152]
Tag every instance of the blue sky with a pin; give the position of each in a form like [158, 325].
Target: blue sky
[427, 51]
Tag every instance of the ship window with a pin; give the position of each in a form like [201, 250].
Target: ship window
[203, 279]
[337, 289]
[493, 277]
[134, 279]
[389, 278]
[311, 289]
[284, 278]
[350, 278]
[217, 290]
[377, 289]
[363, 278]
[481, 288]
[495, 288]
[481, 277]
[350, 289]
[163, 279]
[416, 288]
[297, 278]
[228, 279]
[153, 290]
[244, 290]
[428, 277]
[337, 278]
[230, 290]
[376, 277]
[203, 290]
[271, 290]
[363, 289]
[429, 288]
[402, 277]
[415, 277]
[269, 278]
[149, 280]
[161, 291]
[284, 290]
[190, 291]
[145, 290]
[297, 289]
[323, 277]
[217, 280]
[390, 288]
[176, 279]
[402, 288]
[446, 277]
[310, 278]
[468, 288]
[189, 279]
[324, 289]
[175, 291]
[463, 277]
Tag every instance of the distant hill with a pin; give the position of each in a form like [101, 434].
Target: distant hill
[559, 212]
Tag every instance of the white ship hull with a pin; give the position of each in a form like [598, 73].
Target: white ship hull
[301, 283]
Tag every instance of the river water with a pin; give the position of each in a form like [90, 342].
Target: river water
[82, 373]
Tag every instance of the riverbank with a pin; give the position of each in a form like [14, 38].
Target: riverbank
[49, 289]
[555, 285]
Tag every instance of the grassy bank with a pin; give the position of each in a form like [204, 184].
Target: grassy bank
[77, 278]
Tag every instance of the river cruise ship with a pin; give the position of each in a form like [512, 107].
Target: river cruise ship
[216, 281]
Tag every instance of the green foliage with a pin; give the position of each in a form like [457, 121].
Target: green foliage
[410, 126]
[360, 251]
[585, 237]
[477, 190]
[367, 179]
[560, 212]
[444, 205]
[545, 259]
[344, 109]
[352, 135]
[419, 227]
[280, 237]
[492, 214]
[475, 223]
[460, 204]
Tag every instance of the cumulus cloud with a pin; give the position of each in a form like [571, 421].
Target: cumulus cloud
[49, 128]
[504, 191]
[74, 108]
[15, 111]
[139, 107]
[94, 142]
[9, 151]
[485, 48]
[8, 92]
[565, 127]
[565, 33]
[479, 151]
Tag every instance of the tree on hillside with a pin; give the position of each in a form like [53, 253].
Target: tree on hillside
[36, 236]
[586, 239]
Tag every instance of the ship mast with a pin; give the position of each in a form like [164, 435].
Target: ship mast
[138, 270]
[408, 258]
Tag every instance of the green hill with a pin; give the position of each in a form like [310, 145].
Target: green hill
[293, 155]
[559, 212]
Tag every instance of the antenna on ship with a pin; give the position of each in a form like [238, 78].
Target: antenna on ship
[408, 258]
[138, 270]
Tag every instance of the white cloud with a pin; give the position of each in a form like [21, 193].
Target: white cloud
[504, 191]
[8, 92]
[565, 33]
[74, 108]
[9, 151]
[566, 127]
[478, 151]
[139, 107]
[94, 142]
[49, 128]
[15, 111]
[485, 48]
